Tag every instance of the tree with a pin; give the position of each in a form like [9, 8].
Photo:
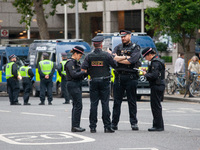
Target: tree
[177, 18]
[29, 8]
[162, 47]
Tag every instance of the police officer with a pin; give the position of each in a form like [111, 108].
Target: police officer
[127, 55]
[12, 77]
[46, 69]
[155, 76]
[98, 65]
[62, 73]
[27, 75]
[74, 80]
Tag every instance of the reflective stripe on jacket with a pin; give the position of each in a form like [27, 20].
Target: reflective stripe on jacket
[46, 66]
[63, 67]
[24, 71]
[9, 70]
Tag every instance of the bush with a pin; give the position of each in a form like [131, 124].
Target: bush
[167, 58]
[198, 41]
[161, 46]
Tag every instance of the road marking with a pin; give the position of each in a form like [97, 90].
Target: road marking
[44, 138]
[138, 149]
[36, 114]
[182, 127]
[4, 111]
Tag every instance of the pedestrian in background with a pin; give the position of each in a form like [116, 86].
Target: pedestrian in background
[127, 56]
[46, 69]
[62, 73]
[27, 75]
[98, 65]
[194, 67]
[12, 77]
[156, 77]
[179, 68]
[74, 81]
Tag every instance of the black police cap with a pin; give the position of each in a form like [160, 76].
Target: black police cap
[64, 54]
[12, 56]
[98, 39]
[146, 51]
[45, 54]
[124, 32]
[26, 62]
[78, 49]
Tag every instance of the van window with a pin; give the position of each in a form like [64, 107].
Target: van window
[53, 58]
[20, 60]
[40, 57]
[4, 60]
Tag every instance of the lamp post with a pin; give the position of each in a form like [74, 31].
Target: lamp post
[28, 30]
[77, 21]
[65, 20]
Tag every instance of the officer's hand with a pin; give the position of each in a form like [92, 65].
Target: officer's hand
[144, 72]
[19, 77]
[84, 70]
[109, 51]
[46, 76]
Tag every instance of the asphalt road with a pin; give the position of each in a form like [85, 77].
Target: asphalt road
[48, 127]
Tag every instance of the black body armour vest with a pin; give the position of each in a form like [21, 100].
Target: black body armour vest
[161, 70]
[127, 51]
[99, 66]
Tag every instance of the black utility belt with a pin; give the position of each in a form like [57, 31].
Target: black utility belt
[101, 78]
[125, 73]
[74, 80]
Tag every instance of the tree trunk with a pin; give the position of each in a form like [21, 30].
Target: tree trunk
[41, 21]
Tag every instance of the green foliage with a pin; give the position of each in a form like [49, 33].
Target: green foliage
[135, 1]
[161, 46]
[198, 41]
[26, 8]
[167, 59]
[177, 18]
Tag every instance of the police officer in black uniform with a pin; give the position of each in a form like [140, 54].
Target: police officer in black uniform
[98, 63]
[12, 77]
[62, 73]
[127, 55]
[74, 80]
[46, 69]
[155, 76]
[27, 75]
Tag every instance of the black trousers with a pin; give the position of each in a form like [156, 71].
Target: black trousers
[27, 85]
[99, 90]
[74, 89]
[64, 89]
[13, 89]
[46, 84]
[156, 107]
[121, 84]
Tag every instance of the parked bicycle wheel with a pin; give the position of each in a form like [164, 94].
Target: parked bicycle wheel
[194, 89]
[170, 87]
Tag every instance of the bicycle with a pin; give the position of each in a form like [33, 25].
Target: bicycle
[194, 87]
[172, 82]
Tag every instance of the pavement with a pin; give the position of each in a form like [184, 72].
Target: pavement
[180, 97]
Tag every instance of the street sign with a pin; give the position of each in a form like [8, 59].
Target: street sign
[4, 33]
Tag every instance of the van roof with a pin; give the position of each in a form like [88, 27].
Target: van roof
[67, 46]
[18, 51]
[58, 40]
[143, 41]
[117, 34]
